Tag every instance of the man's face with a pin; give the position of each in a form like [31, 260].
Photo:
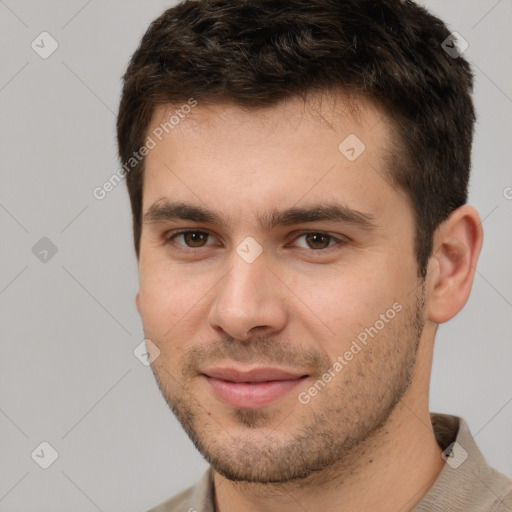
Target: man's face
[288, 317]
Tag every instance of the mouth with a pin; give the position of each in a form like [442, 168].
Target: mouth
[251, 389]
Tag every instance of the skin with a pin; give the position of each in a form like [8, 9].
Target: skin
[364, 441]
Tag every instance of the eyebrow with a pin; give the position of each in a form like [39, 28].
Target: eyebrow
[318, 212]
[165, 210]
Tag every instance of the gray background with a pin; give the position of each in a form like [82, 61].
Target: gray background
[69, 325]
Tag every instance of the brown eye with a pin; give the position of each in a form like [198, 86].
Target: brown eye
[191, 238]
[318, 240]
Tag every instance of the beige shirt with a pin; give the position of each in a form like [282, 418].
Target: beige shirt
[465, 484]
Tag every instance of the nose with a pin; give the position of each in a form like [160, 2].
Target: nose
[249, 300]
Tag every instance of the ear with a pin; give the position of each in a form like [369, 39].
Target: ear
[451, 270]
[137, 302]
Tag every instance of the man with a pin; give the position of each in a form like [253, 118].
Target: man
[298, 177]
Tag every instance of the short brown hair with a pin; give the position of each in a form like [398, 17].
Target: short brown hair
[257, 52]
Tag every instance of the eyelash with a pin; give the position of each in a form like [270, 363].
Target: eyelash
[169, 238]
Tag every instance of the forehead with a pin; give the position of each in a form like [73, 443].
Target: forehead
[334, 110]
[328, 147]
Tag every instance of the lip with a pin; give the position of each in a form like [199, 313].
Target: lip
[255, 375]
[254, 388]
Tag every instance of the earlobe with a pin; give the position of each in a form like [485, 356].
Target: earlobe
[457, 245]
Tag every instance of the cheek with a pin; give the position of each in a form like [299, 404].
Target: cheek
[171, 301]
[345, 302]
[161, 311]
[161, 299]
